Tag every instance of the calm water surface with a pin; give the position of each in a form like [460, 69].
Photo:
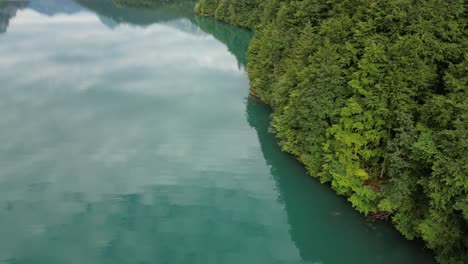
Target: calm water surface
[127, 136]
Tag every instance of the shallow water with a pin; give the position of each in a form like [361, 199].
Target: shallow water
[128, 137]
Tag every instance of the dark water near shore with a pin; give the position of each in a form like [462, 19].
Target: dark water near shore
[128, 136]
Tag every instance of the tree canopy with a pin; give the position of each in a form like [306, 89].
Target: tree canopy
[371, 96]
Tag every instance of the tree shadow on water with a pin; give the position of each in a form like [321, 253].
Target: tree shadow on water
[148, 12]
[8, 10]
[323, 225]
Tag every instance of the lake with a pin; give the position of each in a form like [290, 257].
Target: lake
[128, 136]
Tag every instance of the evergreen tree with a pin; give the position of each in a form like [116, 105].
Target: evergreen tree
[372, 97]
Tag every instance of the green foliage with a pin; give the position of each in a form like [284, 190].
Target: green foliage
[372, 97]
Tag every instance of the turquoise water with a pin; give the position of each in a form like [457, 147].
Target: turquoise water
[128, 136]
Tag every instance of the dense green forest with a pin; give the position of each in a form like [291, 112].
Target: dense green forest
[371, 96]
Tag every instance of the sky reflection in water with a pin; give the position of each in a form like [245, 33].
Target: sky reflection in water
[128, 137]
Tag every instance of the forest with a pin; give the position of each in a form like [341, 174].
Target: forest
[371, 96]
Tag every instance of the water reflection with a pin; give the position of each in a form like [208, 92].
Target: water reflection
[177, 14]
[8, 10]
[125, 141]
[135, 13]
[323, 226]
[54, 7]
[112, 147]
